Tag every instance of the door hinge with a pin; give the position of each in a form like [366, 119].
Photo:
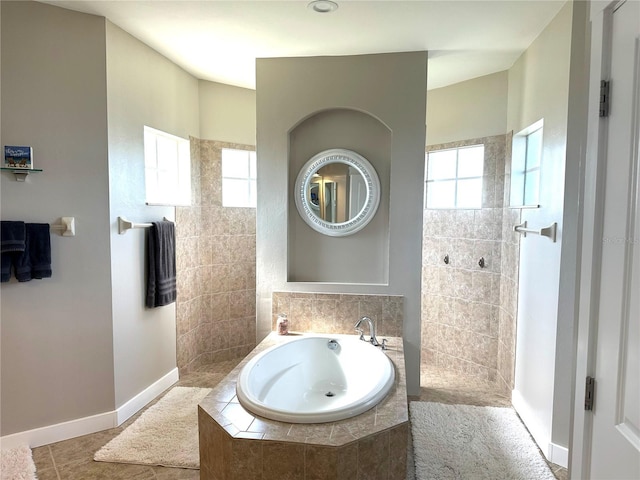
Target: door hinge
[604, 98]
[589, 392]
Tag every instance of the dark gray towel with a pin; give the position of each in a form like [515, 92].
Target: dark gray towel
[12, 236]
[12, 244]
[39, 249]
[161, 265]
[35, 261]
[5, 271]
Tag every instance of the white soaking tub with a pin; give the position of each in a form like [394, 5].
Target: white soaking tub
[315, 379]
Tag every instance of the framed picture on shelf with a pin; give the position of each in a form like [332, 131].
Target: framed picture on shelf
[18, 157]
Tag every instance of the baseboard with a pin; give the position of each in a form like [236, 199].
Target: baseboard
[133, 406]
[60, 431]
[94, 423]
[559, 455]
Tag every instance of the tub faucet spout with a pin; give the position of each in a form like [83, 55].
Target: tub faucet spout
[372, 330]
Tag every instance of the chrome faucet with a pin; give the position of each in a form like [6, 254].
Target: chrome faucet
[372, 330]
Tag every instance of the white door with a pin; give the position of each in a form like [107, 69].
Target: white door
[615, 443]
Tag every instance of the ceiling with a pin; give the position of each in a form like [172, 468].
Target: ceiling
[220, 40]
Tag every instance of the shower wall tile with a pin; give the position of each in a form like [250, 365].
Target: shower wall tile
[215, 259]
[463, 368]
[461, 301]
[506, 364]
[508, 286]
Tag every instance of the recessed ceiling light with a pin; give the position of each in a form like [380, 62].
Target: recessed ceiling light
[323, 6]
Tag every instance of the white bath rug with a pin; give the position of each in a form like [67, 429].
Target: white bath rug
[17, 464]
[166, 433]
[465, 442]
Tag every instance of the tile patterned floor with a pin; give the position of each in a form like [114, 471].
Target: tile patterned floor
[73, 459]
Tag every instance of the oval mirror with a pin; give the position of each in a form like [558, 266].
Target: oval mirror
[337, 192]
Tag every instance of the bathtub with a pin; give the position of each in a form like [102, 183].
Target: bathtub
[315, 379]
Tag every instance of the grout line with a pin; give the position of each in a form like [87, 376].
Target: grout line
[55, 466]
[304, 461]
[154, 473]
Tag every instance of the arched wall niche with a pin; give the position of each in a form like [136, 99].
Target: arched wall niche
[361, 258]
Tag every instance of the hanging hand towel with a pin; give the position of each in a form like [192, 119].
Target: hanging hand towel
[12, 240]
[12, 236]
[161, 265]
[39, 249]
[5, 269]
[35, 261]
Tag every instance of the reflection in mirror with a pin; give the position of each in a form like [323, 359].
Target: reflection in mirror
[337, 192]
[314, 196]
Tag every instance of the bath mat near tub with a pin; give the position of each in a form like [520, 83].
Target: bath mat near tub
[166, 434]
[468, 442]
[17, 464]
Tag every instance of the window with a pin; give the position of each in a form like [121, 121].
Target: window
[454, 177]
[167, 163]
[525, 166]
[238, 178]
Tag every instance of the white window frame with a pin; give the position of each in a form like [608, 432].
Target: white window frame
[522, 173]
[167, 174]
[249, 199]
[455, 179]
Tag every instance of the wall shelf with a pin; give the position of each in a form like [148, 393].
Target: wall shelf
[21, 173]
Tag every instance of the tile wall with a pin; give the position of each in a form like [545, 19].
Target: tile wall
[216, 263]
[508, 286]
[468, 312]
[337, 313]
[462, 303]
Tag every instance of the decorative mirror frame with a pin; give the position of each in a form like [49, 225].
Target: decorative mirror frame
[354, 160]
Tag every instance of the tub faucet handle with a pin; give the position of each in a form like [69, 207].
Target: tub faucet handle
[372, 330]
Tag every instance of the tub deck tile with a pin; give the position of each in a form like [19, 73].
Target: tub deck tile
[237, 415]
[372, 445]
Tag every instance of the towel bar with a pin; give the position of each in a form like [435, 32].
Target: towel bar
[124, 225]
[549, 231]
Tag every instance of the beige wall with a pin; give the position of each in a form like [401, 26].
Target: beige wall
[144, 88]
[361, 258]
[472, 109]
[79, 90]
[227, 113]
[57, 352]
[539, 89]
[572, 223]
[290, 90]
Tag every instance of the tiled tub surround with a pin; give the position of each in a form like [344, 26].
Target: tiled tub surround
[237, 445]
[216, 267]
[460, 300]
[337, 313]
